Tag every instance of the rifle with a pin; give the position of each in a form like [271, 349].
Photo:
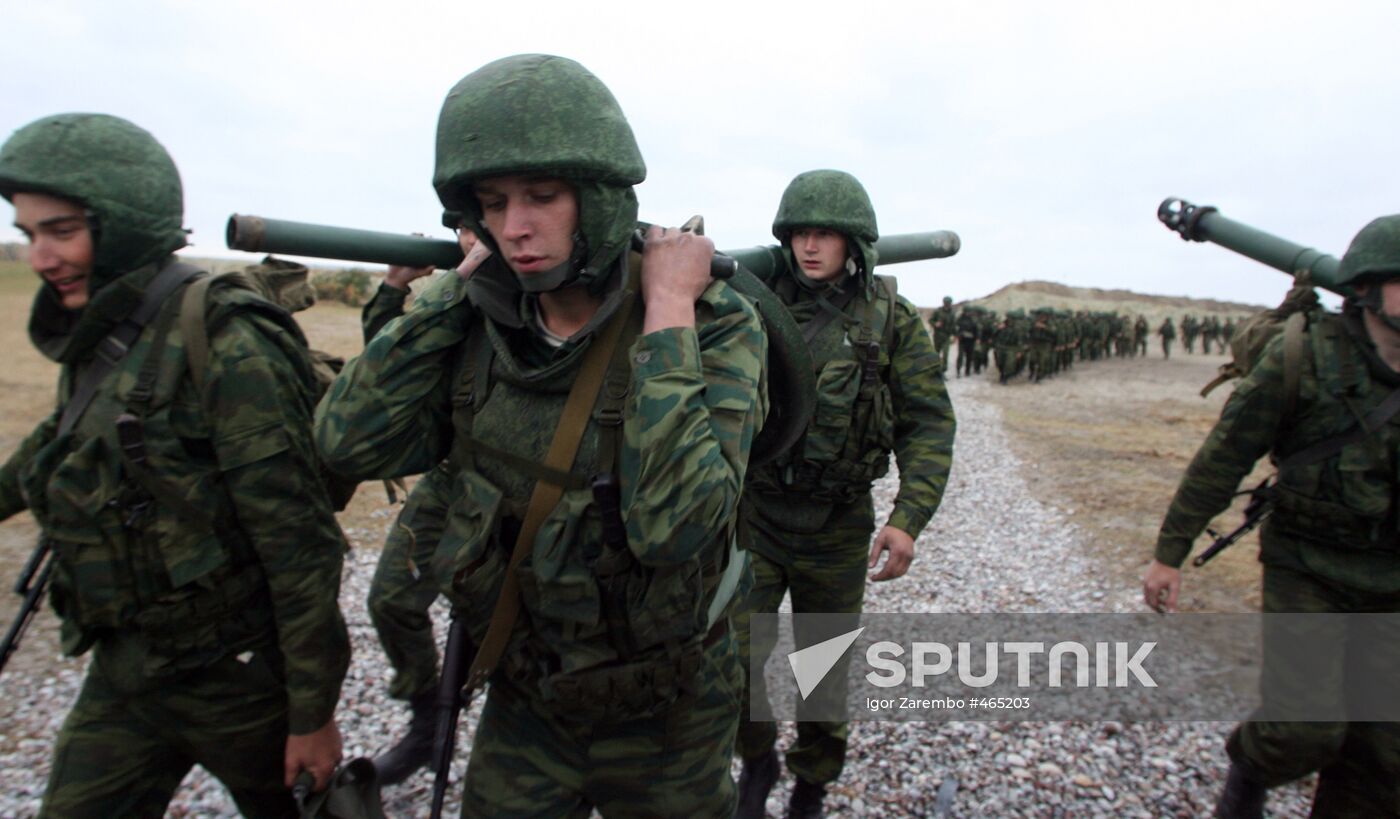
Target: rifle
[32, 582]
[457, 659]
[1260, 506]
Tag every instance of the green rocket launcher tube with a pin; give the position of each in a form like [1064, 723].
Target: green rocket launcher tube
[1197, 223]
[261, 235]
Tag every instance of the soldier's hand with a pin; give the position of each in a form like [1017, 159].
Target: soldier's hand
[317, 753]
[399, 276]
[475, 253]
[1161, 586]
[900, 547]
[675, 271]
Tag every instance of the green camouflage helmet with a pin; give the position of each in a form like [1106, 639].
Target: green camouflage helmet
[827, 199]
[1375, 252]
[114, 169]
[546, 115]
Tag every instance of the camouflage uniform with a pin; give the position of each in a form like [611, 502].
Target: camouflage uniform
[1332, 544]
[1168, 333]
[1140, 336]
[967, 341]
[205, 581]
[619, 688]
[944, 321]
[809, 515]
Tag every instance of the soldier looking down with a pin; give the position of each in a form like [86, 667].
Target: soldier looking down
[597, 406]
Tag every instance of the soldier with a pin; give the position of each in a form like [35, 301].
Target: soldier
[967, 340]
[986, 331]
[404, 586]
[1140, 330]
[1041, 337]
[1332, 543]
[1189, 330]
[1168, 332]
[944, 322]
[1008, 341]
[195, 549]
[597, 405]
[809, 516]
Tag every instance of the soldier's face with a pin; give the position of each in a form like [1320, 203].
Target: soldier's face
[60, 244]
[820, 252]
[532, 218]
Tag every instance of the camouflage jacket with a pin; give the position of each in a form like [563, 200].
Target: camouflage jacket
[153, 589]
[1336, 519]
[943, 322]
[694, 400]
[917, 421]
[386, 305]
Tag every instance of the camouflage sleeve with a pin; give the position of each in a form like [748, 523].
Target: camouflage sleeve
[698, 398]
[1243, 435]
[11, 498]
[389, 412]
[923, 422]
[261, 432]
[386, 306]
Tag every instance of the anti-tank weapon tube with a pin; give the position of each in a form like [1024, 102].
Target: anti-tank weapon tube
[262, 235]
[1203, 223]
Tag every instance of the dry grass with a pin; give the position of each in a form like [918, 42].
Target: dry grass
[1108, 442]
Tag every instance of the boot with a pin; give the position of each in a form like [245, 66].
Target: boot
[416, 748]
[1243, 797]
[755, 782]
[806, 802]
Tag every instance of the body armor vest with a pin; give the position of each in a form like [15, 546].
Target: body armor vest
[1347, 499]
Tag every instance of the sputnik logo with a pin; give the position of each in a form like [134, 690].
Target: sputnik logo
[811, 664]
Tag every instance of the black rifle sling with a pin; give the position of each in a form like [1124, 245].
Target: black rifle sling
[112, 349]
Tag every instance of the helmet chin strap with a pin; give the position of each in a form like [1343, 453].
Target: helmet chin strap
[561, 275]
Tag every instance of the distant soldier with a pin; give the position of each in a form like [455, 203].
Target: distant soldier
[1332, 544]
[809, 516]
[1041, 358]
[986, 330]
[967, 339]
[1140, 331]
[1210, 331]
[1227, 332]
[1168, 333]
[1190, 328]
[944, 323]
[195, 549]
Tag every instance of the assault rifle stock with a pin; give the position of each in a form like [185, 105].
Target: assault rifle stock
[33, 580]
[1260, 506]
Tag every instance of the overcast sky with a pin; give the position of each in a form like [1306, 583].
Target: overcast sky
[1045, 134]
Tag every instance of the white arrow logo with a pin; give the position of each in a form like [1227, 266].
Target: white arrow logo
[811, 664]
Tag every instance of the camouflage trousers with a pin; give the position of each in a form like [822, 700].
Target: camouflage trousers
[528, 761]
[1359, 761]
[1166, 348]
[941, 348]
[124, 754]
[403, 588]
[967, 356]
[824, 572]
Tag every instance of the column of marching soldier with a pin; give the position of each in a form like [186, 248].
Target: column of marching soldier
[582, 402]
[1047, 340]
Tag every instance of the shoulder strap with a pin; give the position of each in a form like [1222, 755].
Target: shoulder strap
[194, 330]
[1294, 339]
[562, 450]
[112, 349]
[891, 287]
[1322, 450]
